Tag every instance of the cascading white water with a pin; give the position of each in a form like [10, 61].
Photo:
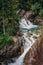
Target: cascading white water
[27, 42]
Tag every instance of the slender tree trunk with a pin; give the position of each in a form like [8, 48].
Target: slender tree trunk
[3, 28]
[3, 20]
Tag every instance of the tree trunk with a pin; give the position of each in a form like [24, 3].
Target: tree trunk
[3, 27]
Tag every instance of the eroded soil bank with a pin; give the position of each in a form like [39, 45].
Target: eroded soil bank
[35, 55]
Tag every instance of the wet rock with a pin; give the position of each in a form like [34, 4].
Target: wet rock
[38, 21]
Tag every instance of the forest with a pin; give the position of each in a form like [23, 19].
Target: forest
[9, 18]
[9, 24]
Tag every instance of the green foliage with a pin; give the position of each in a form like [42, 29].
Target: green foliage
[41, 13]
[5, 40]
[8, 17]
[9, 24]
[36, 8]
[25, 5]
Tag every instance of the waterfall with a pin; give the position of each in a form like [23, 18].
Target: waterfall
[27, 42]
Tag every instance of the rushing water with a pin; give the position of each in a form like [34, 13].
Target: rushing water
[27, 42]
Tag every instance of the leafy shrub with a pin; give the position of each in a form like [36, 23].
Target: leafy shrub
[41, 13]
[5, 40]
[36, 8]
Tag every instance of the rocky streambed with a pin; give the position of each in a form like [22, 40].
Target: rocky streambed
[34, 56]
